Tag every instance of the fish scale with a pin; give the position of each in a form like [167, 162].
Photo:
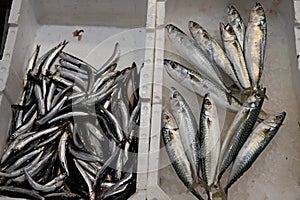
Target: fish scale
[255, 144]
[188, 126]
[241, 133]
[176, 152]
[209, 140]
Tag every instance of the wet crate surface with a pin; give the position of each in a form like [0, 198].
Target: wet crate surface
[275, 174]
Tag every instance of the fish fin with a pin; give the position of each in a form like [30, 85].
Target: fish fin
[229, 98]
[220, 193]
[234, 89]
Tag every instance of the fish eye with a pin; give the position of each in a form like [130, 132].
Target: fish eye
[207, 102]
[204, 35]
[279, 118]
[173, 65]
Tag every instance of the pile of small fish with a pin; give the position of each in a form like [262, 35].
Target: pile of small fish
[74, 133]
[198, 153]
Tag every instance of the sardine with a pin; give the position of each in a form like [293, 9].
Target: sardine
[188, 48]
[172, 136]
[188, 128]
[235, 54]
[255, 144]
[209, 139]
[200, 85]
[212, 50]
[241, 132]
[237, 24]
[255, 43]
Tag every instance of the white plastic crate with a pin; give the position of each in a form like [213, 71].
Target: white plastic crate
[275, 174]
[47, 23]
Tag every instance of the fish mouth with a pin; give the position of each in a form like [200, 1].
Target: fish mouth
[231, 10]
[280, 117]
[173, 93]
[194, 25]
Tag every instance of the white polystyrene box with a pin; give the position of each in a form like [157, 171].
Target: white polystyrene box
[275, 174]
[105, 22]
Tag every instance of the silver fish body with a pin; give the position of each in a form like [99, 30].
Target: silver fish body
[241, 132]
[255, 144]
[188, 49]
[188, 128]
[175, 149]
[235, 54]
[209, 139]
[237, 24]
[255, 43]
[212, 50]
[197, 83]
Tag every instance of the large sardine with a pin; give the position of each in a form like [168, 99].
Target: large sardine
[240, 130]
[237, 24]
[188, 49]
[235, 54]
[188, 128]
[197, 83]
[255, 144]
[212, 50]
[175, 149]
[209, 139]
[255, 43]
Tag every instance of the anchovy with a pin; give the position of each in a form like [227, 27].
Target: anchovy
[189, 50]
[42, 188]
[237, 24]
[31, 64]
[62, 151]
[241, 132]
[111, 62]
[235, 54]
[12, 191]
[255, 144]
[255, 43]
[200, 85]
[25, 127]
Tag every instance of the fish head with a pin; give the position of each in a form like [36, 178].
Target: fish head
[257, 14]
[173, 32]
[197, 30]
[227, 32]
[165, 115]
[233, 15]
[275, 120]
[177, 101]
[231, 11]
[175, 70]
[207, 102]
[255, 99]
[273, 123]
